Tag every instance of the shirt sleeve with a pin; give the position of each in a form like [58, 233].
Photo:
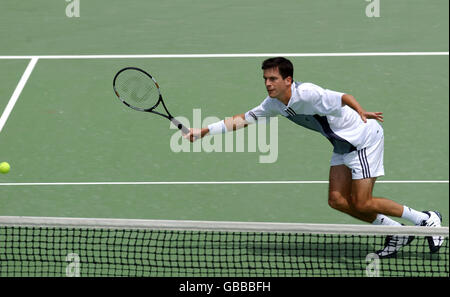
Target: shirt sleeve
[332, 102]
[324, 102]
[262, 111]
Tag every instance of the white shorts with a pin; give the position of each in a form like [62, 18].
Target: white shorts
[364, 163]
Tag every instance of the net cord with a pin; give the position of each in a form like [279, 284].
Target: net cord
[221, 226]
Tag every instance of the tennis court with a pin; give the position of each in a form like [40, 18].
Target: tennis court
[76, 151]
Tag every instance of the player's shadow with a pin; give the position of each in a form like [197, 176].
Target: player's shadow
[344, 258]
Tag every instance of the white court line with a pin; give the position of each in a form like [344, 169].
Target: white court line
[241, 55]
[17, 91]
[213, 183]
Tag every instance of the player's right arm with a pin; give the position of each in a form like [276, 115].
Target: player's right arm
[229, 124]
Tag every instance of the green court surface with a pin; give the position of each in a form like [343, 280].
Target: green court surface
[68, 127]
[10, 73]
[198, 26]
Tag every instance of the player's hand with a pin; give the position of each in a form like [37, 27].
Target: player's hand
[193, 134]
[371, 115]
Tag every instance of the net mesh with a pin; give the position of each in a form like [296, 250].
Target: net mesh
[106, 251]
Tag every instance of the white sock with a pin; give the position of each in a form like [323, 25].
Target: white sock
[384, 220]
[413, 215]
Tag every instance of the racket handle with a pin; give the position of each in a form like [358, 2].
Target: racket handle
[180, 126]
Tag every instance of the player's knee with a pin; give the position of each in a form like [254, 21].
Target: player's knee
[336, 200]
[362, 206]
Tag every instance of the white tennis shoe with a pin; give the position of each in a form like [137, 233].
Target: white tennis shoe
[393, 244]
[435, 220]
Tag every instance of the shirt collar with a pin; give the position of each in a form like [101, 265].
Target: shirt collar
[292, 95]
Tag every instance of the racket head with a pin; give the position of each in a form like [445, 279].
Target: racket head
[137, 89]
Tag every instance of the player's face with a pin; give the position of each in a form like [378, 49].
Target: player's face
[276, 86]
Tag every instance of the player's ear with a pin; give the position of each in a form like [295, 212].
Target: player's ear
[289, 79]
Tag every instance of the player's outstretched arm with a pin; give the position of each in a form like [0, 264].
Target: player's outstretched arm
[351, 101]
[229, 124]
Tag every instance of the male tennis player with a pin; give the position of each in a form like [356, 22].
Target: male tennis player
[358, 143]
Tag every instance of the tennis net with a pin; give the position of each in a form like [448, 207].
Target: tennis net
[32, 246]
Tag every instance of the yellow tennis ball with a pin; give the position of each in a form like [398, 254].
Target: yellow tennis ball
[4, 167]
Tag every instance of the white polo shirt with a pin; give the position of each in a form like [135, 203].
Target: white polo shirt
[321, 110]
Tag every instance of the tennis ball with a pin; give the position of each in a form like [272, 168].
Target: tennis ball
[4, 167]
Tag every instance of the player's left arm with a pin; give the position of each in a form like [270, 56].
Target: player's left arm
[351, 101]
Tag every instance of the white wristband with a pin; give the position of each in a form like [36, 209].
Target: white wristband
[217, 128]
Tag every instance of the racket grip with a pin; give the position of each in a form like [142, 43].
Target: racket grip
[180, 126]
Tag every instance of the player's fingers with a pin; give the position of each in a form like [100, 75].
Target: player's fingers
[188, 136]
[378, 116]
[193, 136]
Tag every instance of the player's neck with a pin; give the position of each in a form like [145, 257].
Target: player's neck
[286, 97]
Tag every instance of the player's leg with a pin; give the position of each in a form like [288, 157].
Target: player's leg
[363, 201]
[367, 165]
[365, 168]
[339, 192]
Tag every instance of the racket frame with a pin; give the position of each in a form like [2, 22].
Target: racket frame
[152, 109]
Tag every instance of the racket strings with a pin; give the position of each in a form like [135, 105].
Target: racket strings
[137, 89]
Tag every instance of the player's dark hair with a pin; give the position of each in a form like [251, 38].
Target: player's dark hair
[284, 66]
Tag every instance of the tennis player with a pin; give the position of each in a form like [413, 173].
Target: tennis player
[358, 145]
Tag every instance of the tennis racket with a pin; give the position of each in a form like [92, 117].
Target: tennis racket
[139, 90]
